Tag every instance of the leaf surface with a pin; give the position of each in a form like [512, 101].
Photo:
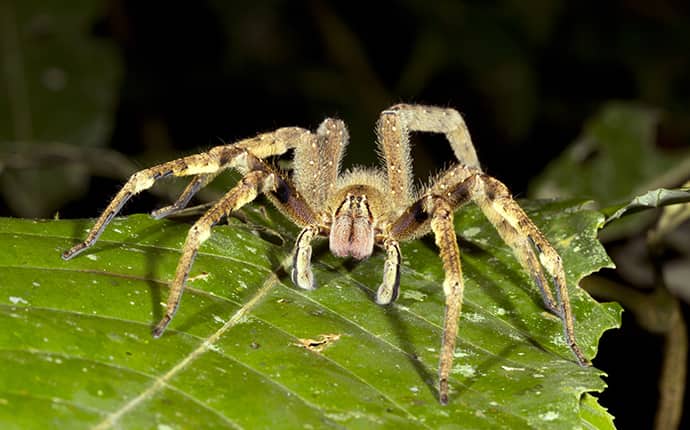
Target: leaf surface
[249, 350]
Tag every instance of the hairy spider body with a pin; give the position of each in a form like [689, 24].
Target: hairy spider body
[360, 209]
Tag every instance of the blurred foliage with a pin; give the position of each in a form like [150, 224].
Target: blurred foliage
[525, 75]
[60, 90]
[615, 159]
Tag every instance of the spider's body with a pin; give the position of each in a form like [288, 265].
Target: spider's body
[361, 208]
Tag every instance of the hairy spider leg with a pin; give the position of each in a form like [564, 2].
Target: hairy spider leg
[259, 178]
[460, 184]
[522, 246]
[317, 162]
[246, 190]
[198, 182]
[522, 236]
[393, 129]
[302, 275]
[208, 163]
[453, 287]
[317, 166]
[513, 224]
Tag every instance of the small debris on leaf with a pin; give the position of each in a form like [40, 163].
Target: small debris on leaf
[317, 345]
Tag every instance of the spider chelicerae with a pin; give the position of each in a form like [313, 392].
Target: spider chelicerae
[360, 208]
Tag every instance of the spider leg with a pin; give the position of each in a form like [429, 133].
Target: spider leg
[244, 192]
[394, 126]
[143, 180]
[444, 234]
[244, 155]
[317, 162]
[450, 185]
[197, 183]
[436, 213]
[520, 233]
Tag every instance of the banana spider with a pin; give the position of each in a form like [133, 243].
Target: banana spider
[360, 208]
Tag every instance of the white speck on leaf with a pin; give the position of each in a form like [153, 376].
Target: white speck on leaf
[413, 295]
[92, 257]
[474, 317]
[213, 347]
[465, 370]
[472, 231]
[558, 340]
[549, 416]
[460, 354]
[16, 300]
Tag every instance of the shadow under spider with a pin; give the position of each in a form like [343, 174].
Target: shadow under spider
[392, 313]
[275, 263]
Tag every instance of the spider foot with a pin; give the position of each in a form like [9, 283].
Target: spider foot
[164, 212]
[161, 326]
[74, 251]
[443, 391]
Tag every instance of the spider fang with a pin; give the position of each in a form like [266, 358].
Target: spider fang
[352, 233]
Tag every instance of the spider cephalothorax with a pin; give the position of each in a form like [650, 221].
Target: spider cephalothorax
[360, 208]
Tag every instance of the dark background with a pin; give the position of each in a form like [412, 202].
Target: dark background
[525, 75]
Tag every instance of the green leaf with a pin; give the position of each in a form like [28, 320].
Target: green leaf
[242, 351]
[593, 415]
[651, 199]
[614, 159]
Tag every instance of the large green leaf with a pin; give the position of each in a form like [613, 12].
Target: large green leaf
[77, 351]
[615, 159]
[651, 199]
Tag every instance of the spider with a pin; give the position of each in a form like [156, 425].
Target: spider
[360, 208]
